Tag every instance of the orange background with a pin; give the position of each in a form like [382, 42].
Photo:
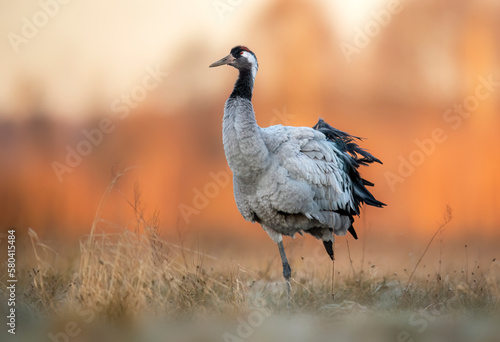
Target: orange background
[393, 92]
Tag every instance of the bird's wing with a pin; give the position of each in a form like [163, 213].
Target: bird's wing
[328, 160]
[309, 157]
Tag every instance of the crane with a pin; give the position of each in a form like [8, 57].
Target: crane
[291, 179]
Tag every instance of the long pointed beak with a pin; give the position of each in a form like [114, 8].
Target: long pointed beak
[226, 60]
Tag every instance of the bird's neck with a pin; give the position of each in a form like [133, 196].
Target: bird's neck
[246, 152]
[244, 85]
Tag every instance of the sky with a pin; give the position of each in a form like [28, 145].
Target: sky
[79, 51]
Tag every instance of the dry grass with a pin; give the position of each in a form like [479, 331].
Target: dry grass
[127, 276]
[130, 273]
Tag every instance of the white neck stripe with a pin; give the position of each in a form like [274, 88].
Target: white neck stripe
[252, 60]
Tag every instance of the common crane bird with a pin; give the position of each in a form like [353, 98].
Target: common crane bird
[291, 179]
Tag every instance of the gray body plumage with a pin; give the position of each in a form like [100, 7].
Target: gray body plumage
[288, 179]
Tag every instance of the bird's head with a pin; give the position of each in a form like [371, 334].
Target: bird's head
[241, 58]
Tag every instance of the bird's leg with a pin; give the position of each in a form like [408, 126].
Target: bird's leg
[329, 246]
[333, 275]
[287, 271]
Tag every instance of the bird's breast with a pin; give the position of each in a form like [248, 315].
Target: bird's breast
[245, 151]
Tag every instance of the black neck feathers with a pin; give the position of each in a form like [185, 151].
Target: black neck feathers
[244, 85]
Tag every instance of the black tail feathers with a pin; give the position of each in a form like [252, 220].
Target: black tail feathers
[329, 248]
[353, 157]
[346, 143]
[353, 232]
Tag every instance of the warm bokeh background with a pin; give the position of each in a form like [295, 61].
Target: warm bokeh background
[394, 91]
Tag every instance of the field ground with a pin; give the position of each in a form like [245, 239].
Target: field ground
[131, 284]
[134, 286]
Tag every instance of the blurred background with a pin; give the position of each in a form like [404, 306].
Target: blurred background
[90, 86]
